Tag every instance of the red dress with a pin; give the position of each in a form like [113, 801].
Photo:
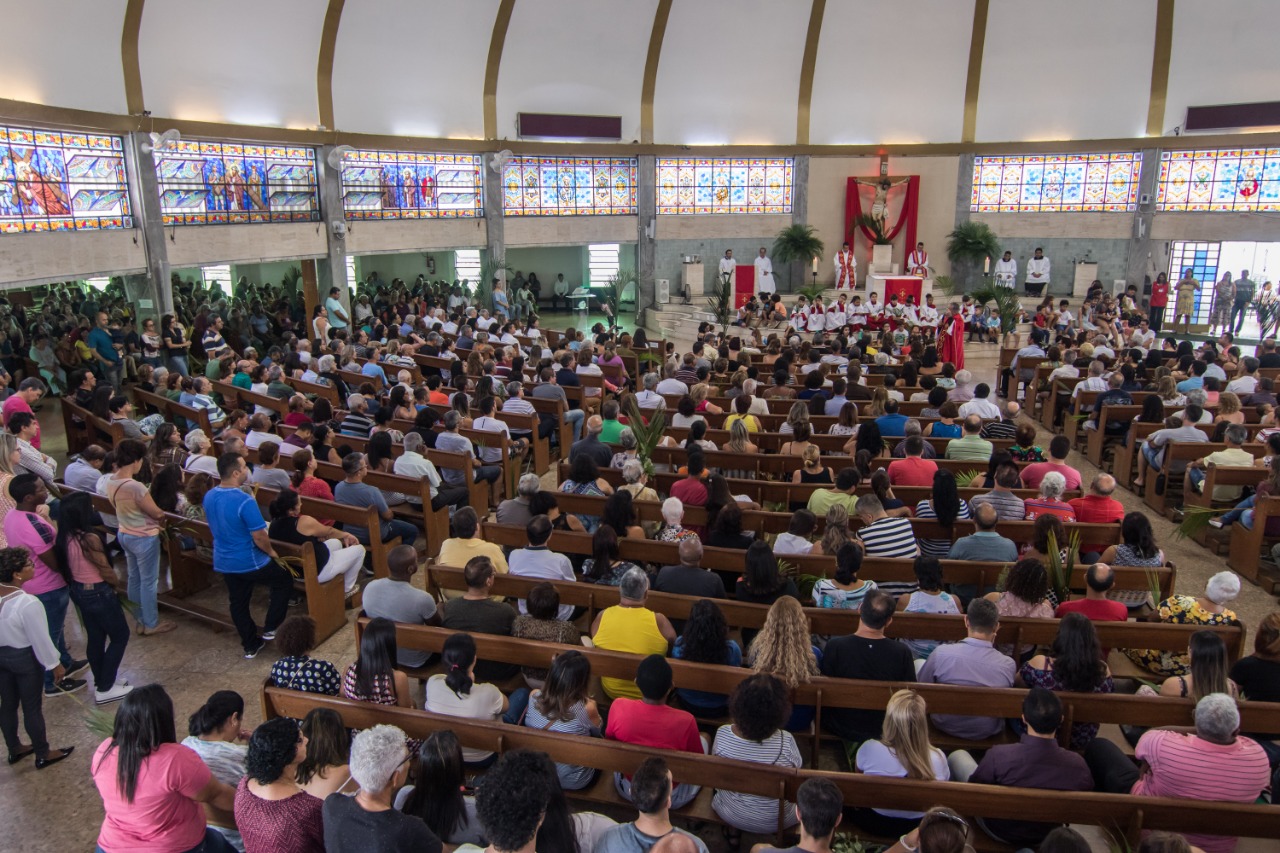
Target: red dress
[951, 340]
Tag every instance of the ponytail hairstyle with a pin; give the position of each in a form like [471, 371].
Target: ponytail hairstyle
[301, 460]
[283, 504]
[812, 457]
[214, 713]
[458, 656]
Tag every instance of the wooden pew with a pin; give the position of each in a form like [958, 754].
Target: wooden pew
[1178, 453]
[95, 430]
[1247, 545]
[174, 411]
[1130, 816]
[248, 401]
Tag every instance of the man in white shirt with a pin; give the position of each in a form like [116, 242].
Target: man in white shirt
[728, 265]
[1095, 382]
[488, 423]
[649, 398]
[559, 291]
[669, 383]
[981, 404]
[1101, 348]
[1037, 274]
[1142, 337]
[1006, 272]
[918, 261]
[1244, 385]
[540, 562]
[846, 268]
[764, 273]
[412, 463]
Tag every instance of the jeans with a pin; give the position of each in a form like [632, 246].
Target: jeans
[178, 364]
[240, 591]
[55, 609]
[142, 559]
[574, 417]
[518, 701]
[113, 373]
[407, 531]
[1156, 317]
[1241, 514]
[106, 631]
[21, 683]
[1196, 476]
[214, 842]
[1238, 312]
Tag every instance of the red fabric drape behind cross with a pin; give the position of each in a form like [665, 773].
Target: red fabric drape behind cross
[906, 217]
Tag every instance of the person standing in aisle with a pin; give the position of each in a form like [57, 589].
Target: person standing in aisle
[1245, 289]
[1158, 302]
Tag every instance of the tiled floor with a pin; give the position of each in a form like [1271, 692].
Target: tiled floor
[58, 809]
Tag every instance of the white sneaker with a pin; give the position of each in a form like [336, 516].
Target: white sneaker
[118, 691]
[1215, 522]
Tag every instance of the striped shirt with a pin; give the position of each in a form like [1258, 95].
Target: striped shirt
[356, 426]
[749, 812]
[572, 777]
[938, 548]
[891, 537]
[999, 430]
[1185, 766]
[1008, 506]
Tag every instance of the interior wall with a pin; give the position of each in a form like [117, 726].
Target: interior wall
[1067, 238]
[220, 244]
[406, 266]
[521, 231]
[550, 260]
[31, 258]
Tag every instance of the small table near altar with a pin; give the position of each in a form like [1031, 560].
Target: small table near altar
[885, 286]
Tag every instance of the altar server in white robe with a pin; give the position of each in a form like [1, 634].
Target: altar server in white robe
[764, 273]
[800, 315]
[918, 262]
[728, 265]
[817, 316]
[1037, 273]
[857, 314]
[910, 315]
[875, 311]
[846, 268]
[1006, 271]
[929, 316]
[836, 316]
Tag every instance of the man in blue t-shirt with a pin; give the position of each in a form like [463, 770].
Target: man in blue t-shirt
[103, 345]
[243, 555]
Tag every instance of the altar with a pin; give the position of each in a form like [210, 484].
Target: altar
[885, 286]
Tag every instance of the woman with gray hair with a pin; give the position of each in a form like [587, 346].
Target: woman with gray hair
[201, 459]
[673, 529]
[1209, 609]
[1049, 501]
[380, 766]
[627, 440]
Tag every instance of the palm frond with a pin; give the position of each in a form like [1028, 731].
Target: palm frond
[1004, 302]
[876, 226]
[944, 285]
[721, 300]
[1194, 520]
[797, 243]
[648, 435]
[972, 242]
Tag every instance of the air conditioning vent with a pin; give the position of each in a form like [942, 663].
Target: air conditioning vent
[561, 126]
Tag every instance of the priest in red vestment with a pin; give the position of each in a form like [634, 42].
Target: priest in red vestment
[951, 337]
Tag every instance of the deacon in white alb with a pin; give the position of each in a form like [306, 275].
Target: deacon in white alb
[1006, 271]
[918, 262]
[1037, 273]
[764, 273]
[728, 265]
[846, 268]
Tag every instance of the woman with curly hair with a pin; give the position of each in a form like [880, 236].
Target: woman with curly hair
[1074, 665]
[784, 648]
[1026, 590]
[706, 640]
[273, 813]
[759, 708]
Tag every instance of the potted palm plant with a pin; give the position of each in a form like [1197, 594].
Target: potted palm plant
[611, 293]
[721, 300]
[797, 245]
[1004, 302]
[968, 246]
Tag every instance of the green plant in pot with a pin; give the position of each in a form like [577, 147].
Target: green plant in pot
[967, 247]
[721, 300]
[611, 294]
[797, 245]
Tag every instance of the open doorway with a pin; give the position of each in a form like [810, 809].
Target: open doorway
[1209, 260]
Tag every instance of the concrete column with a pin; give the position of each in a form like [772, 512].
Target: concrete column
[1143, 251]
[495, 244]
[964, 188]
[149, 220]
[334, 272]
[800, 216]
[646, 233]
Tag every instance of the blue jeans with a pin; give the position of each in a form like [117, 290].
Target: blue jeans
[407, 532]
[178, 364]
[1196, 476]
[515, 706]
[142, 557]
[106, 631]
[55, 610]
[214, 842]
[1242, 513]
[574, 417]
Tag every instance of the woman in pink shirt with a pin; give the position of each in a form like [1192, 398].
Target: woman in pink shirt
[152, 787]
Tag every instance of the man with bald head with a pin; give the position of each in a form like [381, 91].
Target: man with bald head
[1098, 580]
[396, 598]
[1007, 426]
[689, 578]
[971, 446]
[1097, 507]
[599, 452]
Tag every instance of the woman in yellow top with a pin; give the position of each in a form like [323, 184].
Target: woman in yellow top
[740, 406]
[631, 627]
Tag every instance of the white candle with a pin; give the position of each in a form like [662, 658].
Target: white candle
[815, 264]
[986, 265]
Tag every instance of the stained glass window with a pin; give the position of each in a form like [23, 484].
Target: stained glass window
[569, 186]
[725, 185]
[1056, 182]
[1202, 259]
[1227, 179]
[410, 185]
[52, 181]
[214, 183]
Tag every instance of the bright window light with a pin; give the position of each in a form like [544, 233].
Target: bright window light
[602, 263]
[351, 271]
[466, 264]
[219, 274]
[98, 283]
